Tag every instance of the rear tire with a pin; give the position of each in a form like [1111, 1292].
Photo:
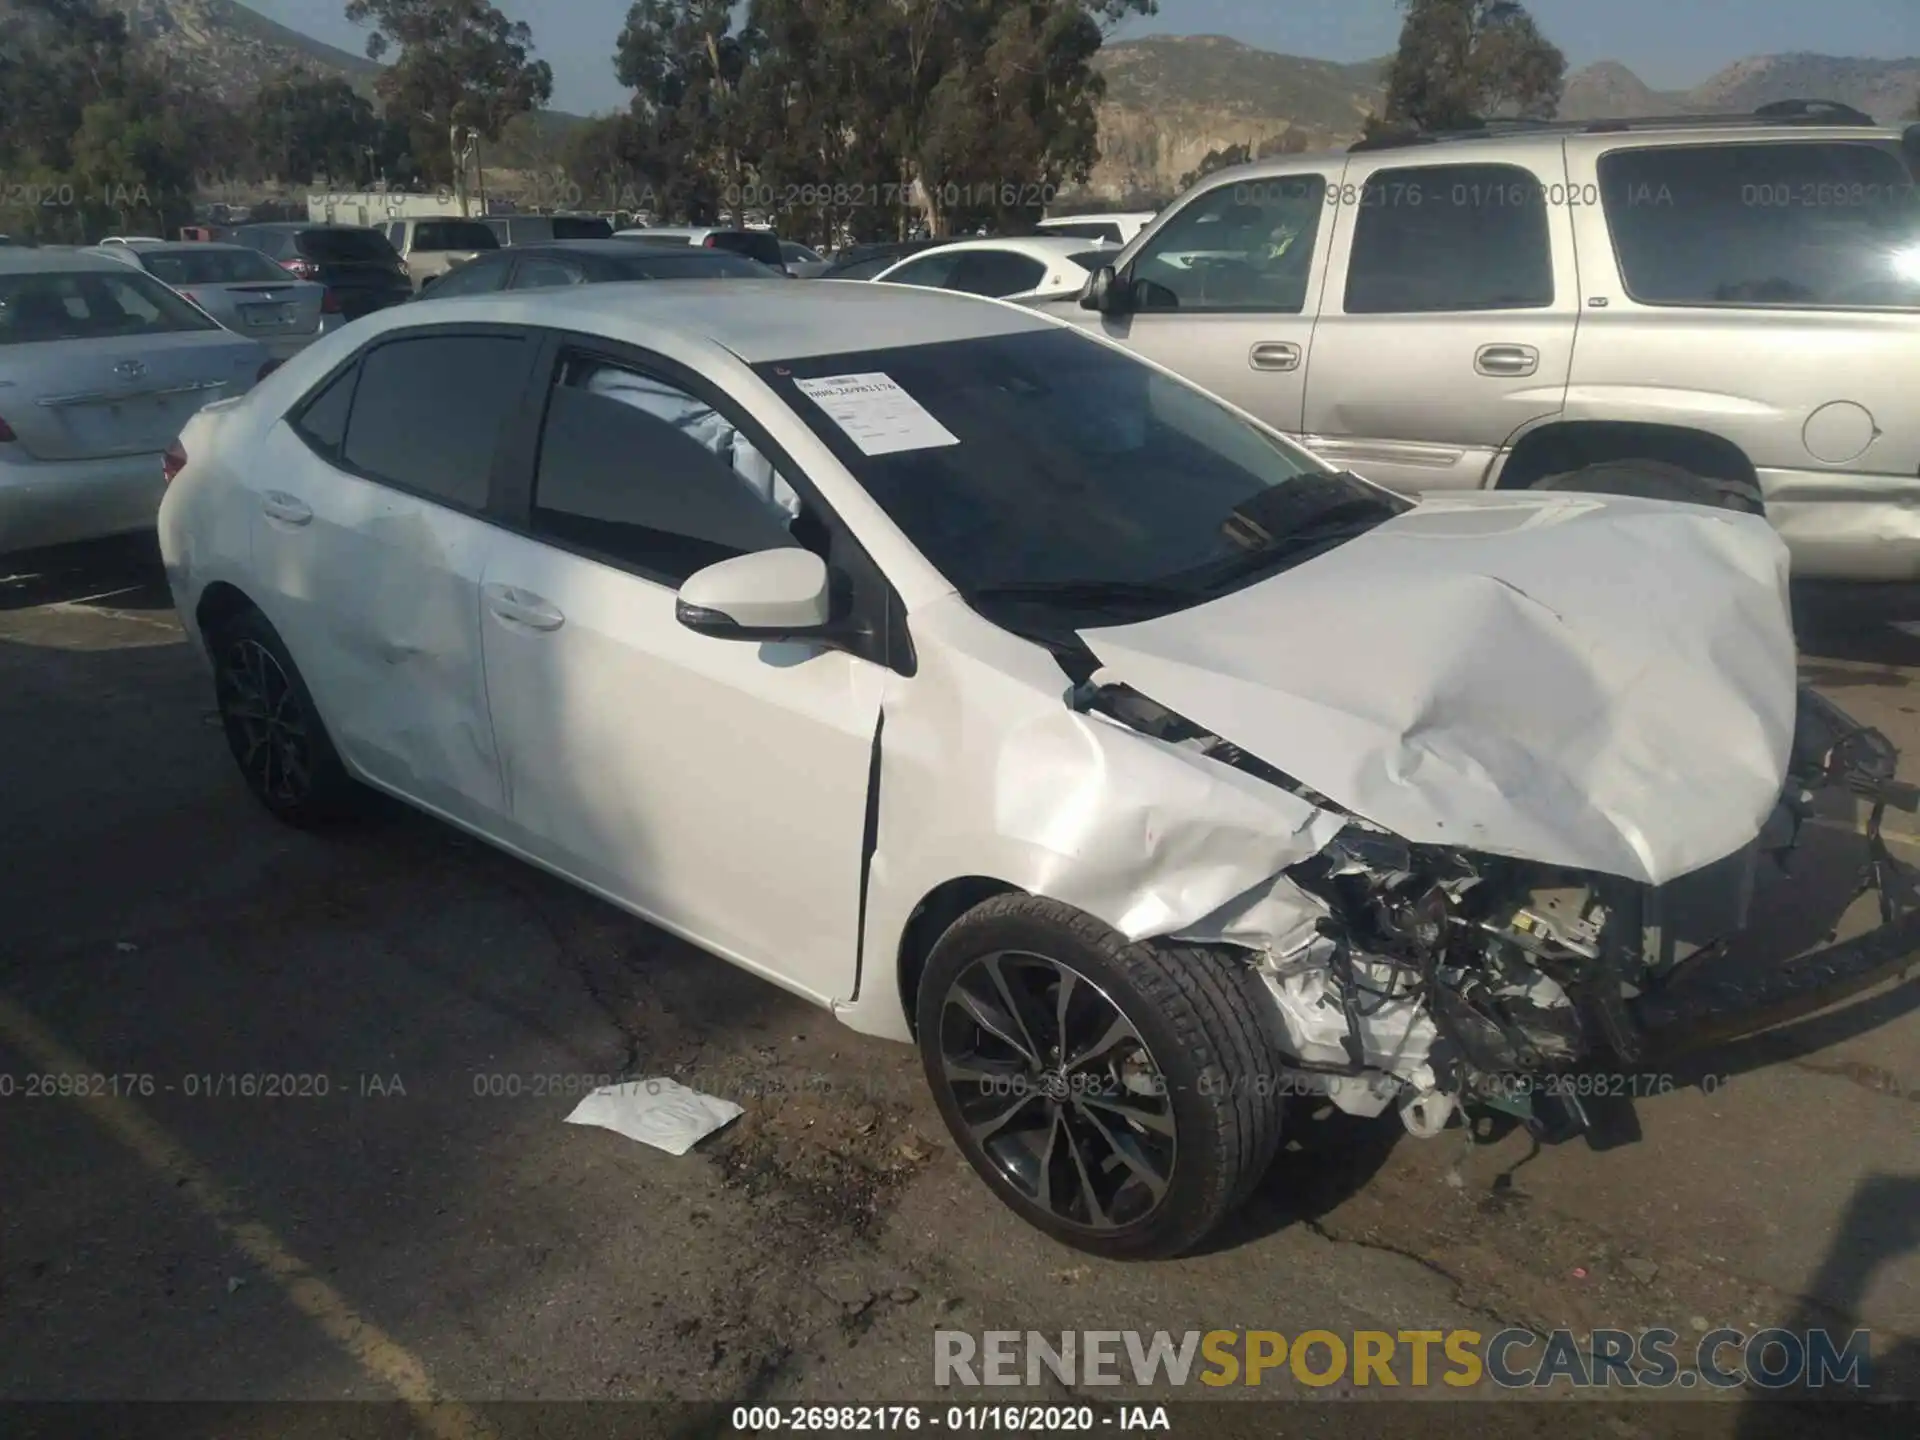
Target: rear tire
[1143, 1144]
[273, 729]
[1658, 480]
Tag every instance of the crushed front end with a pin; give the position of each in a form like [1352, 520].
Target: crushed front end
[1432, 979]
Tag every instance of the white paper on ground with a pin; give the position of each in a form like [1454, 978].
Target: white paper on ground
[661, 1113]
[879, 416]
[1606, 684]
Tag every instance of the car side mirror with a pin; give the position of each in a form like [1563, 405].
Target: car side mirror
[1106, 293]
[769, 595]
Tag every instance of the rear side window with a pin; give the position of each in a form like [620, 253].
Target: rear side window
[427, 412]
[322, 421]
[996, 273]
[346, 244]
[580, 227]
[85, 305]
[1440, 238]
[453, 235]
[1782, 223]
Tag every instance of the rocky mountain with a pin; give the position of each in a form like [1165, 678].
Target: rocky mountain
[229, 50]
[1171, 100]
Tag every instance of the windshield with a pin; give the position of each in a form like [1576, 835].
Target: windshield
[657, 264]
[212, 267]
[1044, 469]
[349, 243]
[86, 305]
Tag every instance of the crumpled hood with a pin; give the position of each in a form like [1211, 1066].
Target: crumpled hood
[1601, 683]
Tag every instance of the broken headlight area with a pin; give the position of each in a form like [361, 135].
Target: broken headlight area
[1434, 978]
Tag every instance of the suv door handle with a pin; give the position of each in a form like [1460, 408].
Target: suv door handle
[288, 509]
[519, 607]
[1274, 355]
[1506, 360]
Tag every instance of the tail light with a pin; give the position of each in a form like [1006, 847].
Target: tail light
[329, 303]
[173, 462]
[266, 370]
[6, 431]
[710, 243]
[300, 266]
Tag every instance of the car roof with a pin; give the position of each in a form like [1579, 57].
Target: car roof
[756, 320]
[624, 249]
[1097, 216]
[1497, 143]
[19, 260]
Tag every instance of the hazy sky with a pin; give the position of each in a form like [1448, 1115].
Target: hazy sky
[1670, 44]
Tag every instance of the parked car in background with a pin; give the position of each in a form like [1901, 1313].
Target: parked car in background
[539, 229]
[100, 366]
[355, 262]
[590, 262]
[1116, 227]
[802, 261]
[1745, 293]
[761, 245]
[1000, 694]
[868, 258]
[1029, 268]
[242, 289]
[132, 240]
[431, 247]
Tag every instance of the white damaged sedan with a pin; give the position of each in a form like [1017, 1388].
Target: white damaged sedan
[1005, 694]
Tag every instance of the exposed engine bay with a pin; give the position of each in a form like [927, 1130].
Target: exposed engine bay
[1441, 978]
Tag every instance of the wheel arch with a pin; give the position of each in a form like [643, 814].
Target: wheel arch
[1556, 448]
[220, 601]
[932, 918]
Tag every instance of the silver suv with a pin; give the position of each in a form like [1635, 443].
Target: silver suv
[1724, 310]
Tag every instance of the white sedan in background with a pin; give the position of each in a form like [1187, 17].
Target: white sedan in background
[1028, 269]
[1005, 694]
[100, 366]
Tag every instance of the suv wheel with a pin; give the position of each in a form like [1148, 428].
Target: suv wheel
[1658, 480]
[1123, 1097]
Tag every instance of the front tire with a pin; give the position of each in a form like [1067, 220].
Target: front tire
[1123, 1097]
[1658, 480]
[272, 727]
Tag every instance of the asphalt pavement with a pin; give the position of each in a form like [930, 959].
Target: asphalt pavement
[392, 1207]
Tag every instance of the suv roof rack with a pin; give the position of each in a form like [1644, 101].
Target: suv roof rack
[1780, 112]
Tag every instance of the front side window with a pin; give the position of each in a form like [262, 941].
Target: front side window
[1044, 467]
[1794, 223]
[89, 305]
[1246, 246]
[643, 472]
[427, 412]
[1438, 238]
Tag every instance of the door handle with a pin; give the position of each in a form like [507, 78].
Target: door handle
[1506, 360]
[1274, 355]
[518, 607]
[288, 509]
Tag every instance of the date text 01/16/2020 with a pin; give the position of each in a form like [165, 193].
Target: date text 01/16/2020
[1004, 1419]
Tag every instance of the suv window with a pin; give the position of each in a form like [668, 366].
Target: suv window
[579, 227]
[1440, 238]
[346, 243]
[640, 471]
[1245, 246]
[429, 410]
[996, 272]
[1821, 222]
[453, 235]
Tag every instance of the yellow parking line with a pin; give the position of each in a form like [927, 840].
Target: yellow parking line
[376, 1352]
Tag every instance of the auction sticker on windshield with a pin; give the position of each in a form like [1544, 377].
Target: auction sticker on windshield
[879, 416]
